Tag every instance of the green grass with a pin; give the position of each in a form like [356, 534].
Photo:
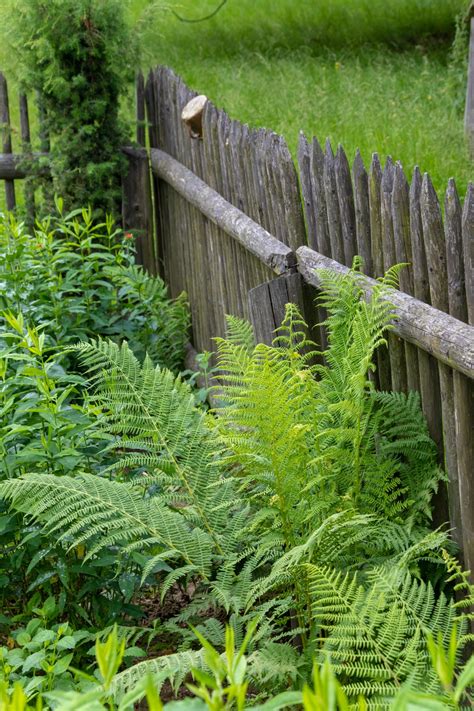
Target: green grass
[370, 74]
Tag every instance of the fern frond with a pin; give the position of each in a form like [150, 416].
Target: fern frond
[100, 513]
[240, 333]
[154, 417]
[375, 635]
[171, 667]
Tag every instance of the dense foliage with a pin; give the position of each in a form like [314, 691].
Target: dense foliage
[298, 510]
[68, 280]
[79, 55]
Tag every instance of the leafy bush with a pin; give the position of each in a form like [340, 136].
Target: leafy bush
[305, 504]
[223, 684]
[80, 56]
[70, 279]
[75, 278]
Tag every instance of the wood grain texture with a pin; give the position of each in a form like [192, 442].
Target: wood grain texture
[384, 376]
[137, 209]
[435, 248]
[332, 206]
[362, 213]
[396, 349]
[403, 253]
[428, 368]
[468, 250]
[441, 335]
[233, 221]
[345, 198]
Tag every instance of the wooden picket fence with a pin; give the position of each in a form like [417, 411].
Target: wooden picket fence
[323, 209]
[223, 213]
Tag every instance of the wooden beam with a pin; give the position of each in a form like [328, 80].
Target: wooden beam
[447, 339]
[229, 218]
[11, 168]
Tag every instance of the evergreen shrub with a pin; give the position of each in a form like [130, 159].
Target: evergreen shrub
[79, 55]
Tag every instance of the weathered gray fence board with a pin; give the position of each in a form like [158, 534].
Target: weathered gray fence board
[345, 199]
[435, 248]
[362, 213]
[383, 374]
[332, 206]
[26, 148]
[403, 253]
[6, 139]
[468, 249]
[428, 369]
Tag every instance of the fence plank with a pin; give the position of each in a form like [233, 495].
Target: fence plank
[464, 394]
[468, 249]
[435, 247]
[26, 147]
[428, 368]
[321, 215]
[383, 373]
[304, 163]
[461, 391]
[396, 348]
[332, 206]
[6, 139]
[137, 206]
[261, 313]
[454, 253]
[403, 252]
[362, 212]
[345, 198]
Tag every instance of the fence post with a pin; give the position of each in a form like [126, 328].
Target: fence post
[137, 213]
[26, 147]
[6, 139]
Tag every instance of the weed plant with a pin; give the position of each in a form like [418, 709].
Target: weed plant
[68, 280]
[301, 512]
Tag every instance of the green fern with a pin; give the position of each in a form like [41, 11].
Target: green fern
[375, 635]
[302, 501]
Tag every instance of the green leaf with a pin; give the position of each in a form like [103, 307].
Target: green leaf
[62, 664]
[67, 642]
[33, 661]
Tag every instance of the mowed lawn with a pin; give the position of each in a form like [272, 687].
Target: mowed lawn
[370, 74]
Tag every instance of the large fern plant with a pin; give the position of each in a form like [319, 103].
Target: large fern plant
[304, 500]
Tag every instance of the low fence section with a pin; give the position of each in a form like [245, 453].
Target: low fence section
[221, 211]
[233, 213]
[251, 170]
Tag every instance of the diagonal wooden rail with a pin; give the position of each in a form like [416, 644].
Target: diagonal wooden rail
[446, 338]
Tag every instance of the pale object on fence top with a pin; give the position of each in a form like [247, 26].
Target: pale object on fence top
[192, 115]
